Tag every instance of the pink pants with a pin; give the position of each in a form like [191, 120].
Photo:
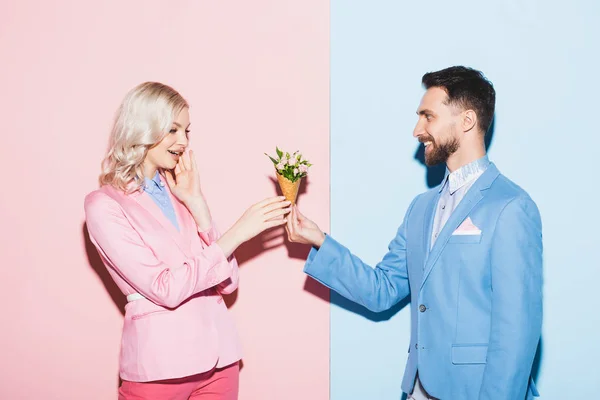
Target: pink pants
[218, 384]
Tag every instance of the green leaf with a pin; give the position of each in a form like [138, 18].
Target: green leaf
[279, 152]
[272, 159]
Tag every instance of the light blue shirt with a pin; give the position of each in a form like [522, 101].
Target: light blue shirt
[453, 189]
[157, 191]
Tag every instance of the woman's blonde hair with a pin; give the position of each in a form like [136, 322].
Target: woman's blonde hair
[141, 122]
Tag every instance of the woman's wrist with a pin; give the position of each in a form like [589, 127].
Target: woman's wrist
[199, 209]
[230, 241]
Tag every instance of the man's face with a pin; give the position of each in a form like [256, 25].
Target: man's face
[437, 126]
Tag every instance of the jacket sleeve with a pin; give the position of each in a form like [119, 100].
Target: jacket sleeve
[230, 285]
[516, 317]
[377, 288]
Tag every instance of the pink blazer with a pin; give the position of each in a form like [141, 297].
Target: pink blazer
[181, 326]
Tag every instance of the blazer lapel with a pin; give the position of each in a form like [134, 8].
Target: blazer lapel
[144, 200]
[428, 223]
[473, 196]
[181, 212]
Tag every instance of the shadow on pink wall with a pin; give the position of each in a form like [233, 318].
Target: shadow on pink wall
[273, 239]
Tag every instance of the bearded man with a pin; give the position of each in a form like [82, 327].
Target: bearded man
[469, 253]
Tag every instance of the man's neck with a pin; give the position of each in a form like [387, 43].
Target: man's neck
[460, 159]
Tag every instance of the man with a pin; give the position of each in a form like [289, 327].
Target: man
[469, 252]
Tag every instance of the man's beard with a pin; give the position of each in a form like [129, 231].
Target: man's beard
[440, 152]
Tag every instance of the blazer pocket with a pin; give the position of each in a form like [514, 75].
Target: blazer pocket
[465, 239]
[469, 354]
[147, 314]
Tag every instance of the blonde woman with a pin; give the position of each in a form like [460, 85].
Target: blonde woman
[154, 232]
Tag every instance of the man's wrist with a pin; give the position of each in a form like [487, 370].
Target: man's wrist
[319, 241]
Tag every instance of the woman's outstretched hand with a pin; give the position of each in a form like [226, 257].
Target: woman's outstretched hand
[263, 215]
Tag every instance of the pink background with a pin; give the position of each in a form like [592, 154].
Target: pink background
[257, 75]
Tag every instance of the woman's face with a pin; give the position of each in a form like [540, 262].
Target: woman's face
[166, 153]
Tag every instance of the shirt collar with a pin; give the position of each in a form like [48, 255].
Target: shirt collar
[151, 185]
[465, 174]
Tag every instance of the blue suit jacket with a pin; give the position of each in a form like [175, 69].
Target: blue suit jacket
[476, 300]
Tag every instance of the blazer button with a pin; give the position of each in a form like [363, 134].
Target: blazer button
[416, 346]
[422, 308]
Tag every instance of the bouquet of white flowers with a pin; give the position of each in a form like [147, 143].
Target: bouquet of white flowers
[290, 169]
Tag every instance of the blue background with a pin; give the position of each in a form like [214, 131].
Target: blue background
[544, 62]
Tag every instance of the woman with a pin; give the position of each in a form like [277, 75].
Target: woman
[154, 232]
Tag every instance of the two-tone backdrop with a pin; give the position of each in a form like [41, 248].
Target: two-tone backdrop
[339, 81]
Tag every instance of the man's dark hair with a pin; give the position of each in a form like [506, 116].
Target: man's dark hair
[468, 89]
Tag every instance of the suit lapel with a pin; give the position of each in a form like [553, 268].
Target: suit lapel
[144, 200]
[471, 199]
[181, 212]
[428, 222]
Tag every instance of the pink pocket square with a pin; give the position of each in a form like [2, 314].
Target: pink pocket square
[467, 228]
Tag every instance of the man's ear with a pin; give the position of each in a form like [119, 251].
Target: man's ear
[469, 120]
